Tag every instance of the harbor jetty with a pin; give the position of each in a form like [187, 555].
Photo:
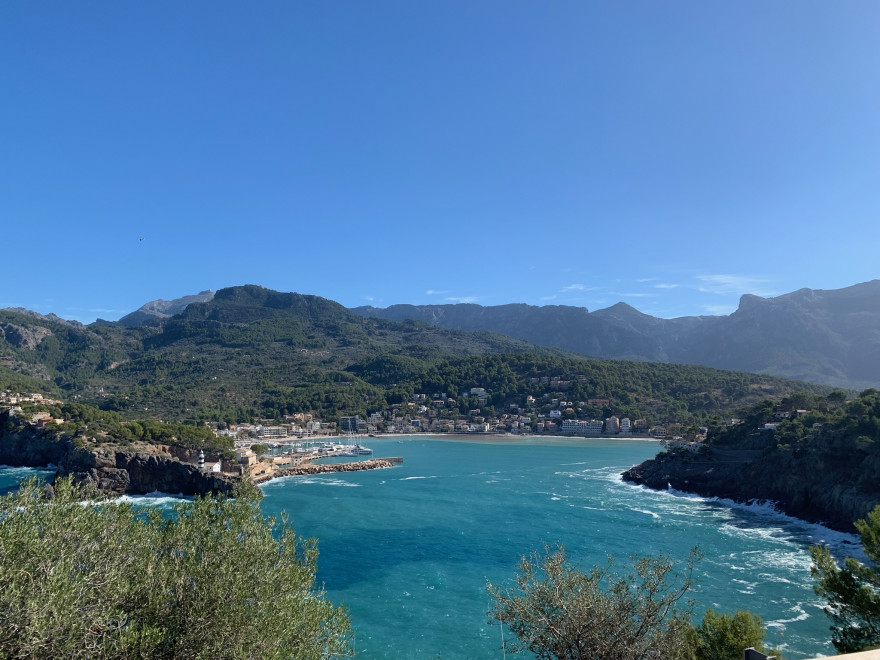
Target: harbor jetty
[308, 467]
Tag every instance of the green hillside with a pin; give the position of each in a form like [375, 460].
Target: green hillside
[252, 352]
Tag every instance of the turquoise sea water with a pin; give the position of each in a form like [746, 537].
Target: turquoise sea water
[409, 550]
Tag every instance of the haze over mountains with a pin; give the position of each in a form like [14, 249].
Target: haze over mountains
[824, 336]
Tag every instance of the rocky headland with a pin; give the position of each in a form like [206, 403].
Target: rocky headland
[833, 489]
[815, 458]
[141, 468]
[116, 470]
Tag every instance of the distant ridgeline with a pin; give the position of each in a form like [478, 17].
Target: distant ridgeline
[826, 337]
[249, 352]
[816, 457]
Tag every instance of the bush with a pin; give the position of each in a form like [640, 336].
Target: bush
[557, 611]
[722, 636]
[104, 580]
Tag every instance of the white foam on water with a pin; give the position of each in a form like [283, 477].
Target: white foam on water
[747, 587]
[656, 516]
[766, 523]
[18, 471]
[308, 480]
[414, 478]
[800, 615]
[156, 498]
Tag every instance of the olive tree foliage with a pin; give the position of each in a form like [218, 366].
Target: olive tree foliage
[723, 636]
[214, 579]
[852, 591]
[559, 612]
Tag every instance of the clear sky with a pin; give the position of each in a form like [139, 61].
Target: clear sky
[673, 155]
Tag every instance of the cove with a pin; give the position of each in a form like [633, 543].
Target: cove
[409, 550]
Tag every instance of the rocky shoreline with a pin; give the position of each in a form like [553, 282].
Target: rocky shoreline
[118, 470]
[811, 488]
[115, 470]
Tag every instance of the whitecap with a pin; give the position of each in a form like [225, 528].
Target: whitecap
[766, 522]
[801, 615]
[156, 498]
[648, 513]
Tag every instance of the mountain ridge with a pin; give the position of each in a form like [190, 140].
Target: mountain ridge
[829, 336]
[252, 352]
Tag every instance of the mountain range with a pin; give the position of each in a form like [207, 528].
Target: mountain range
[831, 337]
[250, 352]
[823, 336]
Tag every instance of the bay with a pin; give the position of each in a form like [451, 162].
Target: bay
[409, 550]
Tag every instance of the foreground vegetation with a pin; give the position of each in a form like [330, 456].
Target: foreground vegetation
[559, 612]
[214, 579]
[852, 591]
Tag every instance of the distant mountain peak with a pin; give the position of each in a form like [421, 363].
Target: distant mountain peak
[749, 301]
[619, 309]
[160, 309]
[827, 336]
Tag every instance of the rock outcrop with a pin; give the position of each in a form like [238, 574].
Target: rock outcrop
[821, 488]
[120, 472]
[24, 337]
[117, 471]
[163, 309]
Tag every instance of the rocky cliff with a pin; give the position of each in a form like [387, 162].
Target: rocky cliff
[162, 309]
[122, 471]
[115, 470]
[832, 488]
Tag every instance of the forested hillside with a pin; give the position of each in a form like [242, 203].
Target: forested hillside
[252, 352]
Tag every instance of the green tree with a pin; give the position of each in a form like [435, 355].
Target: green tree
[557, 611]
[723, 636]
[104, 580]
[260, 449]
[853, 591]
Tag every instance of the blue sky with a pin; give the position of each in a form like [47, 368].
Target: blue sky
[673, 155]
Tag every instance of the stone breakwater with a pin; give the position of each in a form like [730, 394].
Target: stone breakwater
[312, 468]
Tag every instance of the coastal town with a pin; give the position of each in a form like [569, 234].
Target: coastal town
[268, 448]
[439, 412]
